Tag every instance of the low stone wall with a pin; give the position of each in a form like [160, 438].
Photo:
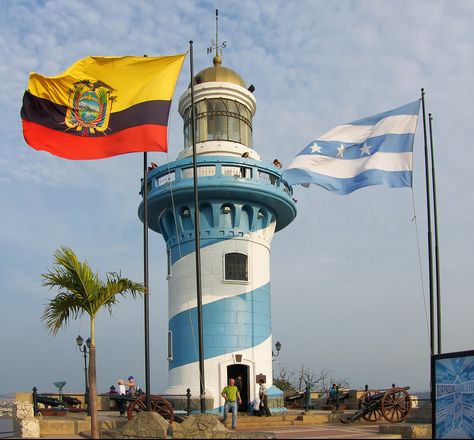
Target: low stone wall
[103, 400]
[25, 424]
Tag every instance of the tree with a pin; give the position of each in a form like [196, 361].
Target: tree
[290, 381]
[82, 292]
[309, 377]
[284, 381]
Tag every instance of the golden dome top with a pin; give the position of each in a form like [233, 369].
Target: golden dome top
[217, 73]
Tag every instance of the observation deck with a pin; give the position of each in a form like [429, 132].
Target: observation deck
[224, 183]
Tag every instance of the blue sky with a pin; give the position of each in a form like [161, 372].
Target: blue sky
[314, 65]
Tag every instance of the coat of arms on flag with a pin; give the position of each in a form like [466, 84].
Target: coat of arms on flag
[101, 107]
[89, 107]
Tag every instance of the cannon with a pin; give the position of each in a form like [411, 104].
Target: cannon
[65, 401]
[138, 404]
[393, 405]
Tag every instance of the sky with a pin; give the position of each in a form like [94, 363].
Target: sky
[349, 276]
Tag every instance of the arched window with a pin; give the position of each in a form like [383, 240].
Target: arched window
[236, 267]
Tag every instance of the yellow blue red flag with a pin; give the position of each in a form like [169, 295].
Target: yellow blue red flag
[101, 107]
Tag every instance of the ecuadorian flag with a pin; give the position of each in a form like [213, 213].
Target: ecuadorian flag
[102, 107]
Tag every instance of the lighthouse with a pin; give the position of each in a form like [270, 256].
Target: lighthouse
[243, 201]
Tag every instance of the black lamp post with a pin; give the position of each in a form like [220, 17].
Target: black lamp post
[278, 348]
[80, 341]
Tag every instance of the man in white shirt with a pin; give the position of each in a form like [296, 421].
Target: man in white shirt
[122, 404]
[262, 392]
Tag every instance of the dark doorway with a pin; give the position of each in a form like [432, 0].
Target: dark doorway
[234, 371]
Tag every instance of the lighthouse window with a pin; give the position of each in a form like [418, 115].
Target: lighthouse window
[168, 261]
[236, 267]
[170, 345]
[219, 119]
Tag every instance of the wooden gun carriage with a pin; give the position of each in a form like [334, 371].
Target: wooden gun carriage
[393, 405]
[138, 403]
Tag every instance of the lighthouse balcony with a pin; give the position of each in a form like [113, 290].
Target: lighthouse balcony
[221, 179]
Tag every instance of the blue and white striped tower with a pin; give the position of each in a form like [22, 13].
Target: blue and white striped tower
[243, 201]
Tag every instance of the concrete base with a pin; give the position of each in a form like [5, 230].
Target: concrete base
[421, 414]
[407, 430]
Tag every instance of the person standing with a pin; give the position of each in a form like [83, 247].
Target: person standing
[132, 385]
[262, 392]
[231, 394]
[122, 404]
[239, 385]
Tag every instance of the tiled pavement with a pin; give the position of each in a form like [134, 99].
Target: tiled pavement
[327, 431]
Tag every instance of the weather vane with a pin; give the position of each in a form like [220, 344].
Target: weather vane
[219, 47]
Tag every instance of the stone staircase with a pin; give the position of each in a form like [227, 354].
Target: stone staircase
[309, 418]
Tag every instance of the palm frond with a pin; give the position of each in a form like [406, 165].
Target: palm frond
[115, 286]
[60, 310]
[70, 275]
[80, 290]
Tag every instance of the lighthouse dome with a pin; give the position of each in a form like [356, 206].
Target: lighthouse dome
[218, 73]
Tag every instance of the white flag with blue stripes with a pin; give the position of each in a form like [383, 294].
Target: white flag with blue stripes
[376, 150]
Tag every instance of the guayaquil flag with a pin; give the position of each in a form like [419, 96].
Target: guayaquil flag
[101, 107]
[376, 150]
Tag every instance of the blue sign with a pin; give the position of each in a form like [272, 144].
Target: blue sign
[454, 395]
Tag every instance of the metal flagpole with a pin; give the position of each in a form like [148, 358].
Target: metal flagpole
[428, 209]
[197, 240]
[145, 277]
[435, 216]
[430, 265]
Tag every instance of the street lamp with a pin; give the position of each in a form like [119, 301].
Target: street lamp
[79, 342]
[278, 348]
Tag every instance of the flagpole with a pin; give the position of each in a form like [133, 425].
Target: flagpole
[430, 265]
[146, 282]
[428, 209]
[435, 216]
[197, 240]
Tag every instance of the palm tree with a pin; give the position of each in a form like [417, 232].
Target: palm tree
[81, 291]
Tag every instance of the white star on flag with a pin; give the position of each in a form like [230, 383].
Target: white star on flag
[385, 143]
[365, 149]
[340, 151]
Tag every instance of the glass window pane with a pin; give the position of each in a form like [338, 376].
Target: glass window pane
[220, 128]
[234, 129]
[236, 267]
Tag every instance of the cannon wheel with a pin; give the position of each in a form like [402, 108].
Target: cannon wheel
[365, 401]
[396, 405]
[158, 404]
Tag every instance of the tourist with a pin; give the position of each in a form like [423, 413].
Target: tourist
[333, 394]
[243, 170]
[121, 403]
[132, 385]
[262, 392]
[238, 384]
[273, 178]
[256, 407]
[231, 394]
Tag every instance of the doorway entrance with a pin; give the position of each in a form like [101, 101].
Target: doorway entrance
[234, 371]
